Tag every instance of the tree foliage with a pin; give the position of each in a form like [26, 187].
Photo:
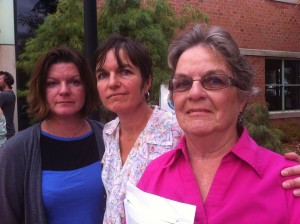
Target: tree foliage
[259, 127]
[65, 26]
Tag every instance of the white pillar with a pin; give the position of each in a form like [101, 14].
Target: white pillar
[7, 44]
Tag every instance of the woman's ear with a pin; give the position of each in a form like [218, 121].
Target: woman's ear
[243, 105]
[148, 84]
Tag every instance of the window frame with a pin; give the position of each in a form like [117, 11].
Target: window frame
[295, 2]
[282, 86]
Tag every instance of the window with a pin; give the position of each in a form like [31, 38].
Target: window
[282, 84]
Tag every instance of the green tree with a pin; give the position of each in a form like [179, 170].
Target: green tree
[65, 26]
[259, 127]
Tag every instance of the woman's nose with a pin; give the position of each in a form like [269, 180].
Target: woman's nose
[113, 80]
[197, 90]
[64, 88]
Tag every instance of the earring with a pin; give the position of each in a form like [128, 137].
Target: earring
[147, 96]
[240, 121]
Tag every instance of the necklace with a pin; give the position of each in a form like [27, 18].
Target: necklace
[48, 126]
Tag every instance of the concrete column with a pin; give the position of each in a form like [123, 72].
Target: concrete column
[7, 44]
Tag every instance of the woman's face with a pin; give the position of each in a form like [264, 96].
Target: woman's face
[120, 88]
[65, 92]
[200, 111]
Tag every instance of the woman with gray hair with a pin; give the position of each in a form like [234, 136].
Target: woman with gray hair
[216, 165]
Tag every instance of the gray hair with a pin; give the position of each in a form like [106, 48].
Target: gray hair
[222, 42]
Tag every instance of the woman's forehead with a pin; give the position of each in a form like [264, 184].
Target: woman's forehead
[201, 59]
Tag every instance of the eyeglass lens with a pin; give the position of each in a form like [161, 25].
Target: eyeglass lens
[209, 82]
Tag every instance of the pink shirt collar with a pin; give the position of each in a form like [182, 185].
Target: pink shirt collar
[252, 156]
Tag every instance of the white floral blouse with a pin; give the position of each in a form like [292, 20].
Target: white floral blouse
[160, 135]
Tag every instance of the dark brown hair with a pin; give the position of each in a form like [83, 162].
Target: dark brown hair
[38, 107]
[8, 78]
[134, 50]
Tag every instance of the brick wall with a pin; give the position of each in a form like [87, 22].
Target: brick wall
[255, 24]
[259, 80]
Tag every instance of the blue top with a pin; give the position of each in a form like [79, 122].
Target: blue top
[72, 188]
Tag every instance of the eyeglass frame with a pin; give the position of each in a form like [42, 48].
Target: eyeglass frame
[230, 82]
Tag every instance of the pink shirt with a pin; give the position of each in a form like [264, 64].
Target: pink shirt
[246, 188]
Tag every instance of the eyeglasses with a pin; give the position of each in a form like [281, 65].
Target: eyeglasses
[208, 82]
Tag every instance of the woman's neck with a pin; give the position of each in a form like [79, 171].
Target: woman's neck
[135, 120]
[211, 146]
[205, 155]
[65, 127]
[131, 126]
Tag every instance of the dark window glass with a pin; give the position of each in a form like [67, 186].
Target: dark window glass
[282, 84]
[273, 71]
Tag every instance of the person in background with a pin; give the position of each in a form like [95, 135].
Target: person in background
[141, 132]
[7, 101]
[51, 172]
[2, 128]
[227, 176]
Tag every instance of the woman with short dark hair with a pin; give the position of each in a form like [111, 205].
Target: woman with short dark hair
[141, 132]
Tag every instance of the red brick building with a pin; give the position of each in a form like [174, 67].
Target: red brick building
[268, 33]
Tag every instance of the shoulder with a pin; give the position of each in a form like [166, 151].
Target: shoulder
[111, 126]
[263, 160]
[98, 130]
[273, 159]
[96, 123]
[7, 93]
[163, 115]
[162, 161]
[163, 129]
[21, 146]
[156, 169]
[165, 120]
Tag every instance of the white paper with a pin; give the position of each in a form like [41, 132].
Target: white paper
[145, 208]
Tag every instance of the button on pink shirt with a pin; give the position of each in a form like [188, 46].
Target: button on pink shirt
[246, 188]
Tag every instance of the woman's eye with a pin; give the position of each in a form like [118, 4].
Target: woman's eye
[214, 80]
[102, 75]
[51, 83]
[183, 83]
[76, 82]
[126, 72]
